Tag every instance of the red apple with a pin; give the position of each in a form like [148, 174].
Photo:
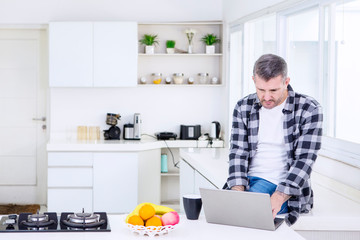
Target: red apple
[170, 218]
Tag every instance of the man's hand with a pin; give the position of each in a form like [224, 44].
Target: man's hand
[238, 188]
[277, 200]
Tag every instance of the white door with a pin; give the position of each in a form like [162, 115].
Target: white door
[23, 84]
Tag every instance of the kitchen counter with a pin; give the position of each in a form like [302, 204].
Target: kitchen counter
[127, 145]
[187, 229]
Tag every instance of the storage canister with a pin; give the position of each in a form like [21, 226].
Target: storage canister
[203, 78]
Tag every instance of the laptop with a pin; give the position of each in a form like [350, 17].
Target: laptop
[238, 208]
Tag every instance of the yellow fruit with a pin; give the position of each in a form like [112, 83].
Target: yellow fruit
[147, 211]
[153, 221]
[159, 210]
[136, 220]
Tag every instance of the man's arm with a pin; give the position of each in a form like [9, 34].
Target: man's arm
[238, 188]
[305, 154]
[277, 200]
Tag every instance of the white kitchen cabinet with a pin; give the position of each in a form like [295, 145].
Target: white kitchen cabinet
[115, 182]
[92, 54]
[70, 181]
[70, 54]
[115, 54]
[70, 199]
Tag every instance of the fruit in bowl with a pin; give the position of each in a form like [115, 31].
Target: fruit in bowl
[170, 218]
[150, 211]
[151, 219]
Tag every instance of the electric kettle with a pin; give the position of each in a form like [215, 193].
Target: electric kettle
[215, 130]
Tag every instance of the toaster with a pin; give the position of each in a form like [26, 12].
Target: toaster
[190, 132]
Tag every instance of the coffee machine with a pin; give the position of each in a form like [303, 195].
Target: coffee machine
[133, 131]
[113, 133]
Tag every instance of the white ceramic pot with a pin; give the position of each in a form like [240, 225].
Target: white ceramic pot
[210, 49]
[149, 49]
[170, 50]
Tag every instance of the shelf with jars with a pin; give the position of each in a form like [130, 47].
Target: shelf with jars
[190, 56]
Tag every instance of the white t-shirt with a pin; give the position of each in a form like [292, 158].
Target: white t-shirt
[269, 161]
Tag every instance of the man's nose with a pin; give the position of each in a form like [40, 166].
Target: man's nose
[267, 96]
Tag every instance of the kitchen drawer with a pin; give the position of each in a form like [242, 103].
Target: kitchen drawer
[70, 159]
[70, 177]
[69, 200]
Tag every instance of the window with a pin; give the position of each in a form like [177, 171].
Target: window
[320, 41]
[347, 71]
[302, 51]
[260, 38]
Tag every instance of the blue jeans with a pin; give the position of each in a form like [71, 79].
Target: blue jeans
[263, 186]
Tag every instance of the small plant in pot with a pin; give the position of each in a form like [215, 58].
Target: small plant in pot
[210, 40]
[170, 46]
[149, 41]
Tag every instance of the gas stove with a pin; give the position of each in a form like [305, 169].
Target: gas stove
[51, 222]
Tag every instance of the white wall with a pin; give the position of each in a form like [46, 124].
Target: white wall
[43, 11]
[162, 108]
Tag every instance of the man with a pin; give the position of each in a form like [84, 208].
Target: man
[275, 136]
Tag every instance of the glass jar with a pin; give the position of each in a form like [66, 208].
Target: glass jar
[203, 78]
[156, 78]
[178, 78]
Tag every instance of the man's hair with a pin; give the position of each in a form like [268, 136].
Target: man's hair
[269, 66]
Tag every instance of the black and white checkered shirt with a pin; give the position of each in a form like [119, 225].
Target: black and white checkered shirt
[302, 132]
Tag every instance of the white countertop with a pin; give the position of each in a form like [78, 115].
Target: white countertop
[331, 211]
[187, 229]
[127, 145]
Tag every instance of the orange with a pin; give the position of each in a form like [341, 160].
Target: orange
[153, 221]
[146, 211]
[136, 220]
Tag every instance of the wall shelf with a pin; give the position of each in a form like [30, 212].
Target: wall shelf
[170, 174]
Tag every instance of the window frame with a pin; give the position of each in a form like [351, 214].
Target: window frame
[335, 148]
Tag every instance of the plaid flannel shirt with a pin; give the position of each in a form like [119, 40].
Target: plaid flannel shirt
[302, 133]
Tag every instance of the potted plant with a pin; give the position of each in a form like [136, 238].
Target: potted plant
[149, 41]
[209, 40]
[170, 46]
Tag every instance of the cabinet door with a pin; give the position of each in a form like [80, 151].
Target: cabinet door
[70, 54]
[70, 200]
[115, 182]
[115, 54]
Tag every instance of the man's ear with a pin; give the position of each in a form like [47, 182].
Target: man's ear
[287, 81]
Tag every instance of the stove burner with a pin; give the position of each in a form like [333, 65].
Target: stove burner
[83, 220]
[51, 222]
[37, 221]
